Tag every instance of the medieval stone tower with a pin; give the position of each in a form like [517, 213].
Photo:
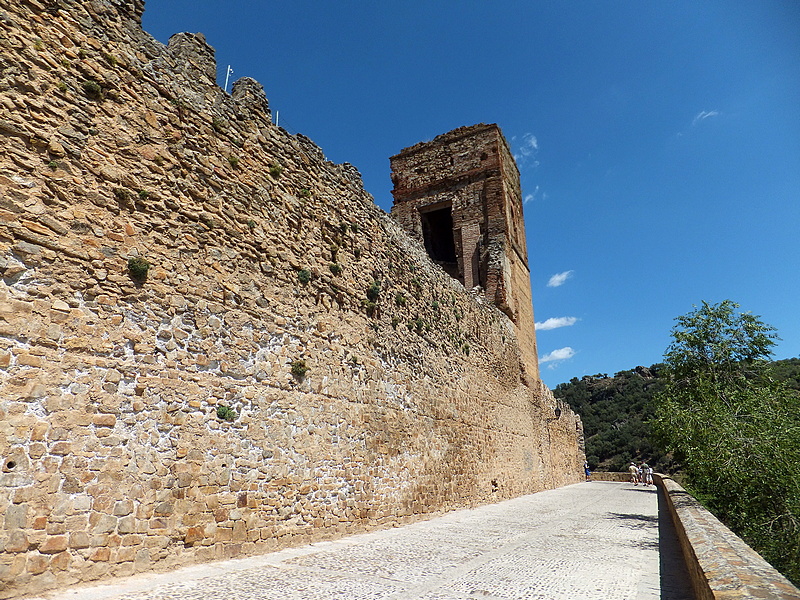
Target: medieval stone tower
[460, 195]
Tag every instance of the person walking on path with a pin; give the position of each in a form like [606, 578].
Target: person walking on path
[648, 474]
[587, 471]
[634, 471]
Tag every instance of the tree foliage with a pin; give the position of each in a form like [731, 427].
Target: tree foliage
[735, 428]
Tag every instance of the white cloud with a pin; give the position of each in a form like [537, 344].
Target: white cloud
[558, 355]
[555, 323]
[703, 115]
[559, 278]
[526, 150]
[531, 197]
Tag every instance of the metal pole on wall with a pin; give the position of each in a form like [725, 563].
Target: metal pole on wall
[227, 75]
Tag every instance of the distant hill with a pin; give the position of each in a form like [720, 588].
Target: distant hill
[615, 411]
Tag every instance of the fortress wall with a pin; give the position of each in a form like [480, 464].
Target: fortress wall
[114, 460]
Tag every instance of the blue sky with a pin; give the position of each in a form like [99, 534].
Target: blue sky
[658, 142]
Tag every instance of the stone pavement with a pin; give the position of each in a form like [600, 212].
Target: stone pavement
[597, 540]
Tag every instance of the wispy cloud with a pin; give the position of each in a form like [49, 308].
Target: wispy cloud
[703, 115]
[559, 278]
[555, 323]
[526, 150]
[531, 197]
[558, 355]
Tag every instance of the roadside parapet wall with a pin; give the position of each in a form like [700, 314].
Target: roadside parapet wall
[721, 565]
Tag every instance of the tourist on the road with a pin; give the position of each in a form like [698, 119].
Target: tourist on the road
[634, 471]
[587, 471]
[648, 474]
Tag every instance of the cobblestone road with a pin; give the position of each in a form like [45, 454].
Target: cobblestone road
[598, 540]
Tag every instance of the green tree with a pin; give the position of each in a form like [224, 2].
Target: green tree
[734, 428]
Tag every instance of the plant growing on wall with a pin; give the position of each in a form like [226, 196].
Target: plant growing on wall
[138, 268]
[122, 194]
[374, 291]
[275, 170]
[304, 276]
[218, 124]
[369, 306]
[226, 413]
[299, 368]
[335, 268]
[92, 89]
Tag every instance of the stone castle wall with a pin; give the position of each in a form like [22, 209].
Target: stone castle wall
[266, 259]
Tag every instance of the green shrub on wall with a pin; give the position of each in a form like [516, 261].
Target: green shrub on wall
[304, 276]
[226, 413]
[138, 268]
[299, 368]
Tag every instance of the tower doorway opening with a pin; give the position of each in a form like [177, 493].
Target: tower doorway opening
[437, 233]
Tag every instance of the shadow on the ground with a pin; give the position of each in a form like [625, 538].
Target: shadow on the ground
[675, 582]
[636, 521]
[649, 490]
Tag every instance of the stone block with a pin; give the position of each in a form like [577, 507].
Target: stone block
[16, 516]
[61, 448]
[123, 554]
[37, 563]
[164, 509]
[126, 525]
[102, 554]
[104, 524]
[61, 561]
[123, 507]
[78, 540]
[104, 420]
[193, 534]
[17, 541]
[54, 544]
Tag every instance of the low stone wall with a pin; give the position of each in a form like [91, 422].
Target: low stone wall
[721, 565]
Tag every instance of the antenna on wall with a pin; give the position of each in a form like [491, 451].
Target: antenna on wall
[227, 75]
[277, 117]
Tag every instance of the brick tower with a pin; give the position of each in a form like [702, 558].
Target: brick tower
[460, 195]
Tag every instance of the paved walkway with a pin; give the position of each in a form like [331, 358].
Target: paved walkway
[598, 540]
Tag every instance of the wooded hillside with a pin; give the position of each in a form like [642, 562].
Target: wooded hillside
[615, 411]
